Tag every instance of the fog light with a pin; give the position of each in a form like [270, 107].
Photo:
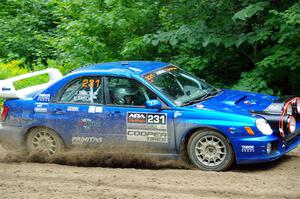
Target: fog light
[269, 148]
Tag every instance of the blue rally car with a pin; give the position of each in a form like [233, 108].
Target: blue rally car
[151, 105]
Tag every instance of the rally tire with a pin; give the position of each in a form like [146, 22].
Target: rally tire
[44, 140]
[210, 151]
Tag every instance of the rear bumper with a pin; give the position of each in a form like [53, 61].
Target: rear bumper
[11, 136]
[254, 150]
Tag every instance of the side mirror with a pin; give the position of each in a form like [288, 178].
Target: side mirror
[153, 104]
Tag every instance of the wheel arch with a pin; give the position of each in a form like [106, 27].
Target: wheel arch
[40, 126]
[185, 139]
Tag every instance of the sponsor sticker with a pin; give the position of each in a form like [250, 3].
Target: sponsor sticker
[86, 140]
[95, 109]
[99, 109]
[250, 102]
[92, 109]
[73, 109]
[151, 76]
[247, 148]
[147, 127]
[88, 123]
[40, 110]
[44, 97]
[136, 118]
[177, 113]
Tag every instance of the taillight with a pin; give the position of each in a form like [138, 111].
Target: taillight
[4, 113]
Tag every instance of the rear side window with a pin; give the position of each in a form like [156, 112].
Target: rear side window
[86, 90]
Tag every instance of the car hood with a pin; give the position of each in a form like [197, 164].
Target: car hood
[233, 101]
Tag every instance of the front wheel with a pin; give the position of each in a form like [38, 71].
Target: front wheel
[44, 140]
[210, 151]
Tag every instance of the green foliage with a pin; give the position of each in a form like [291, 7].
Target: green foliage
[245, 44]
[25, 28]
[250, 10]
[12, 69]
[96, 31]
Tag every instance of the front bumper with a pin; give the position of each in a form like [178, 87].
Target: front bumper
[254, 149]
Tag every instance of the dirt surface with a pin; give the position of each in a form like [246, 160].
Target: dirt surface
[279, 179]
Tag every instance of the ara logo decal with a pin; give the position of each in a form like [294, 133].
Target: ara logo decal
[136, 117]
[247, 148]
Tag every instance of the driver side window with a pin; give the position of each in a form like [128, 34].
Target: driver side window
[124, 91]
[84, 90]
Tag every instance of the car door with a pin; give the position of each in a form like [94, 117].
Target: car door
[77, 111]
[127, 120]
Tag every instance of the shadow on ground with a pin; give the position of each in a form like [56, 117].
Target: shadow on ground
[265, 166]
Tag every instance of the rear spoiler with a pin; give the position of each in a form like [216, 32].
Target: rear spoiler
[8, 90]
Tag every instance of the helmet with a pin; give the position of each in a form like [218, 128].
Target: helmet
[120, 92]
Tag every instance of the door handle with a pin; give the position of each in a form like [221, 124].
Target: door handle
[116, 113]
[59, 111]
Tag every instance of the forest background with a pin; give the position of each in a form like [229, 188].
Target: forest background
[248, 45]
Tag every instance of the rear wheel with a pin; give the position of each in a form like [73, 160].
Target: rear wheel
[210, 151]
[44, 140]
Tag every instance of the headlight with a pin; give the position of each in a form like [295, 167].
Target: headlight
[263, 126]
[289, 109]
[298, 105]
[292, 124]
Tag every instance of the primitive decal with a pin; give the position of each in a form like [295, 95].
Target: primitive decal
[86, 140]
[147, 127]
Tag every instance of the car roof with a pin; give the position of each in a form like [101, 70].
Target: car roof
[137, 67]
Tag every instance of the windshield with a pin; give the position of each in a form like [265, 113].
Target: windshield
[181, 87]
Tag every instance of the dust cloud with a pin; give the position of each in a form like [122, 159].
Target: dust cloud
[95, 158]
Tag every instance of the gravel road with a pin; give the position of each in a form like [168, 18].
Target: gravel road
[279, 179]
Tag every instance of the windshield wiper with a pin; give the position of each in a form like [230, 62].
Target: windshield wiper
[203, 97]
[212, 93]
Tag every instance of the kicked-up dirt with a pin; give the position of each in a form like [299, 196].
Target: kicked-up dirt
[23, 176]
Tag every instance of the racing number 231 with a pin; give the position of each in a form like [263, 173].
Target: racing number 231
[156, 119]
[91, 83]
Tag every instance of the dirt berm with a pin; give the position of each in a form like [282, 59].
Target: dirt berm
[23, 176]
